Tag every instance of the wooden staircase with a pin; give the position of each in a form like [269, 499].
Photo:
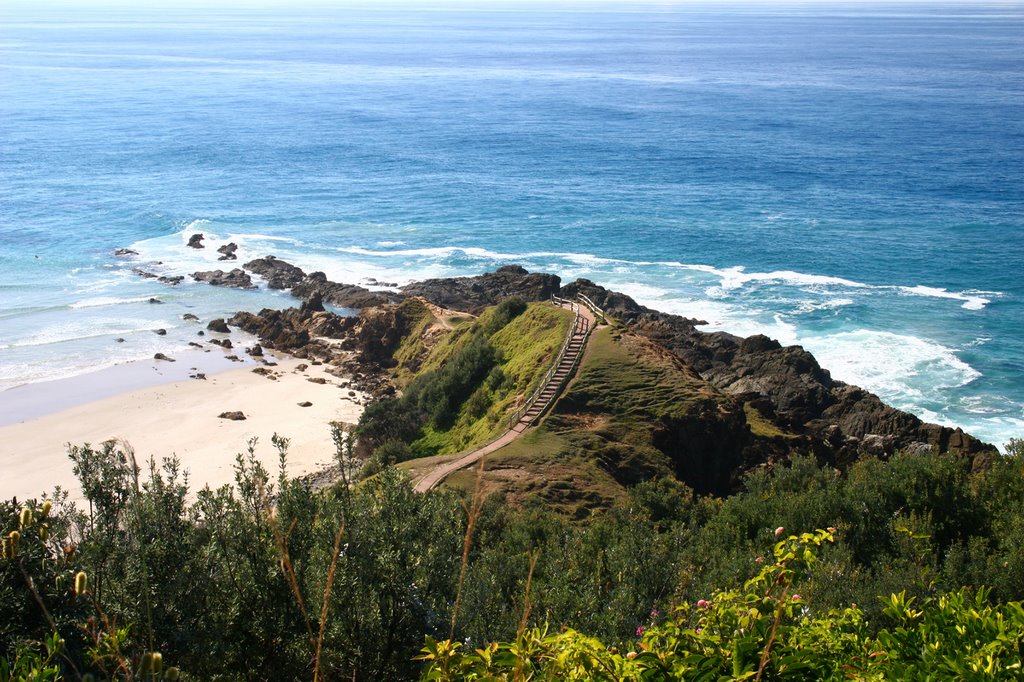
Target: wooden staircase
[555, 381]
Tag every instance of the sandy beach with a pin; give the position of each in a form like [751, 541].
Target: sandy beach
[160, 411]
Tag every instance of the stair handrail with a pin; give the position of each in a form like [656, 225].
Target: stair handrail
[518, 414]
[593, 307]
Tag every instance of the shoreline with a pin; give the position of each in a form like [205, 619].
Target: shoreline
[157, 409]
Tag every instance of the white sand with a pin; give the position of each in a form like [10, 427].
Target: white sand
[182, 418]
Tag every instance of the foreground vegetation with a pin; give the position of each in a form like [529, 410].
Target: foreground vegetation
[269, 580]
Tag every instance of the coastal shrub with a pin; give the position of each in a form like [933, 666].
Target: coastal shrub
[386, 420]
[440, 393]
[764, 631]
[269, 579]
[502, 314]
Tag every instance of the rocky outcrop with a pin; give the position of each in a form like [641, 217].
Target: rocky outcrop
[341, 295]
[278, 273]
[228, 251]
[786, 384]
[294, 330]
[236, 278]
[793, 396]
[473, 294]
[196, 241]
[126, 252]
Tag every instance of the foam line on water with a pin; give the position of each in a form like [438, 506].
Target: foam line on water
[103, 301]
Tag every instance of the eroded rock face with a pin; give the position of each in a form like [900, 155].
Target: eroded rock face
[473, 294]
[235, 278]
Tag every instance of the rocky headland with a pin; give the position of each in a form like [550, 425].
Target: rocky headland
[768, 400]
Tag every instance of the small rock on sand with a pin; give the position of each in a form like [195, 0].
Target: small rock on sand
[233, 416]
[161, 356]
[305, 403]
[219, 325]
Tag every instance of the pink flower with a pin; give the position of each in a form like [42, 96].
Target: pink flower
[631, 655]
[797, 597]
[703, 603]
[640, 631]
[759, 560]
[654, 613]
[779, 531]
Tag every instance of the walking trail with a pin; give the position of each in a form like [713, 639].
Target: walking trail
[537, 404]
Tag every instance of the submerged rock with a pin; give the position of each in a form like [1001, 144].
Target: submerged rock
[228, 251]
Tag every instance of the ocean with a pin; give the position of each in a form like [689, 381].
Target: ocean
[847, 177]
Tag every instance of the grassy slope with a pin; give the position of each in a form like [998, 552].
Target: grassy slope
[527, 346]
[633, 412]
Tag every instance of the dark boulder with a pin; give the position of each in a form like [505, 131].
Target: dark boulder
[228, 251]
[278, 273]
[126, 252]
[218, 325]
[196, 241]
[236, 278]
[233, 416]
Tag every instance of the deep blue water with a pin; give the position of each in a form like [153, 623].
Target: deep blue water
[846, 177]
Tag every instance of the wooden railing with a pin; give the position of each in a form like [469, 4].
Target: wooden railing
[593, 308]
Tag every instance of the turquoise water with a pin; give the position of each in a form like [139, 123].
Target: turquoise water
[845, 177]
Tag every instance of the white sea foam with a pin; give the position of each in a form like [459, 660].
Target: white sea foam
[892, 365]
[102, 301]
[971, 301]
